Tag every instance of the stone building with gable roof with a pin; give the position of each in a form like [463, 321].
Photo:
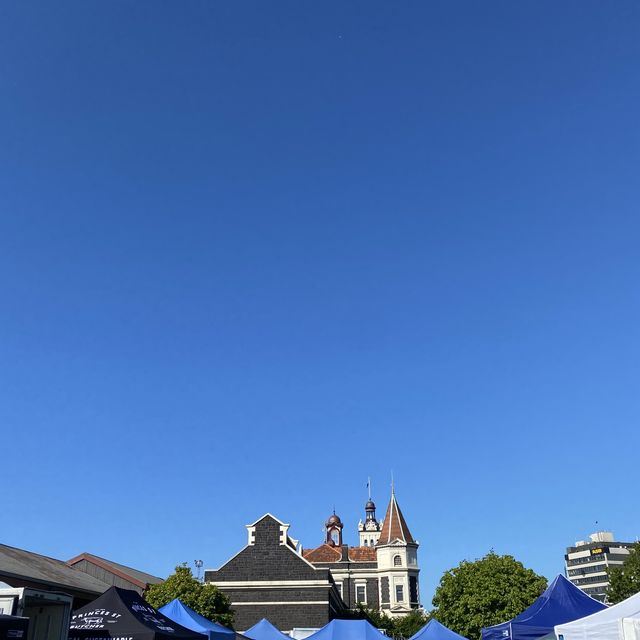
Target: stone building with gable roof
[270, 579]
[383, 572]
[274, 578]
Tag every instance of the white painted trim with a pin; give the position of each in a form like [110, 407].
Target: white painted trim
[289, 602]
[360, 583]
[297, 555]
[351, 572]
[396, 542]
[401, 584]
[268, 584]
[253, 524]
[224, 564]
[285, 545]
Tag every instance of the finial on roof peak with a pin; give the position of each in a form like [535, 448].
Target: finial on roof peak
[394, 526]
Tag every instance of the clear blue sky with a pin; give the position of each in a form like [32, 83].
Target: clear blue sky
[252, 253]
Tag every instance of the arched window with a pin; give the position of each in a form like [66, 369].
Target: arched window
[397, 561]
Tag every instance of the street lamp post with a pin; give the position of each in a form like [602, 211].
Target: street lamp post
[198, 564]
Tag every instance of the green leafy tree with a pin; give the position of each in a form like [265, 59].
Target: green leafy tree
[206, 599]
[624, 580]
[398, 628]
[408, 625]
[377, 618]
[488, 591]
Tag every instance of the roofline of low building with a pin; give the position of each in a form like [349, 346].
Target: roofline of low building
[104, 564]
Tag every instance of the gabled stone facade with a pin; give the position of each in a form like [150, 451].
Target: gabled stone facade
[270, 579]
[382, 573]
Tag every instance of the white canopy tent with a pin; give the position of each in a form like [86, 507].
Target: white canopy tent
[631, 628]
[618, 622]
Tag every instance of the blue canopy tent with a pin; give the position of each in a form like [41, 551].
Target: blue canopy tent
[187, 617]
[561, 602]
[264, 630]
[348, 630]
[433, 630]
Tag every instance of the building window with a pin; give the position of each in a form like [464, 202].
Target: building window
[361, 593]
[397, 561]
[399, 593]
[413, 589]
[339, 585]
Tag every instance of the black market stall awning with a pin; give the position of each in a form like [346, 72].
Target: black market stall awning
[13, 627]
[121, 614]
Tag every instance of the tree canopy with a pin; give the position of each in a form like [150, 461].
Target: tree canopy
[408, 625]
[488, 591]
[377, 618]
[206, 599]
[624, 580]
[398, 628]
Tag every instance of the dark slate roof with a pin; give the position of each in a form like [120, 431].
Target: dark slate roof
[29, 566]
[140, 578]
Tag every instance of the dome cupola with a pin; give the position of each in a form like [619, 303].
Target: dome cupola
[333, 529]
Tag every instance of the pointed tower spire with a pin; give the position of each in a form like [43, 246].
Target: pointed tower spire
[394, 526]
[397, 555]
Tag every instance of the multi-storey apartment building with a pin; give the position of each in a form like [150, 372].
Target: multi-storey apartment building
[587, 562]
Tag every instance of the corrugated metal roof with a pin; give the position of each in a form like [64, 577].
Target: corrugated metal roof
[34, 567]
[141, 576]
